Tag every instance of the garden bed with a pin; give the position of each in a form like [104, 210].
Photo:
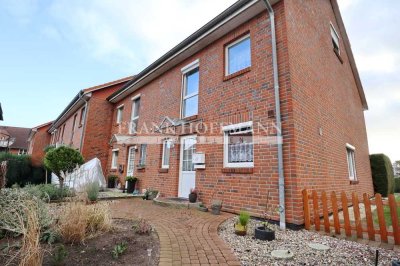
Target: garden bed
[342, 252]
[97, 250]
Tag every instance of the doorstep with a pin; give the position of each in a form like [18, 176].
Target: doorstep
[176, 203]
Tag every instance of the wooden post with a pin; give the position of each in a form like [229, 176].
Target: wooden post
[335, 210]
[381, 217]
[316, 210]
[346, 217]
[357, 216]
[368, 216]
[325, 212]
[395, 219]
[306, 210]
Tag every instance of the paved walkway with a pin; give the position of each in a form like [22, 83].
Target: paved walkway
[187, 237]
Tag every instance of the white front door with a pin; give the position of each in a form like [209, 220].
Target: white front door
[131, 161]
[187, 174]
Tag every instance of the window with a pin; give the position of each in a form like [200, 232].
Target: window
[237, 55]
[62, 134]
[335, 39]
[142, 160]
[238, 145]
[190, 102]
[83, 113]
[21, 151]
[135, 115]
[351, 163]
[114, 160]
[73, 127]
[165, 153]
[120, 109]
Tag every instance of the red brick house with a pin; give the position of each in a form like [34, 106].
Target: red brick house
[85, 123]
[39, 139]
[249, 72]
[14, 140]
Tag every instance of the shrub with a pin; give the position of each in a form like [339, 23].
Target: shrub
[118, 250]
[20, 170]
[62, 160]
[244, 218]
[79, 221]
[131, 179]
[141, 227]
[382, 174]
[48, 192]
[92, 190]
[397, 185]
[13, 203]
[59, 255]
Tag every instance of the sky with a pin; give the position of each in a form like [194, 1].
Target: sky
[51, 49]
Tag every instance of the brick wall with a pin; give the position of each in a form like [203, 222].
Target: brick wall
[316, 91]
[38, 143]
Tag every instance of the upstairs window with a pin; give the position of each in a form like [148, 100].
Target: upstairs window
[351, 163]
[143, 152]
[22, 152]
[120, 110]
[335, 39]
[83, 113]
[190, 102]
[135, 115]
[238, 145]
[165, 154]
[237, 55]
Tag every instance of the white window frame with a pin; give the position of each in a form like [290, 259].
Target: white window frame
[247, 36]
[163, 165]
[185, 70]
[134, 118]
[350, 153]
[226, 130]
[142, 158]
[114, 159]
[335, 37]
[120, 109]
[22, 151]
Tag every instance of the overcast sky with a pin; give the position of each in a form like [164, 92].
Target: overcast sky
[49, 50]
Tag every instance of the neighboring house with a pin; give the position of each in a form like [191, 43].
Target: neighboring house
[396, 168]
[14, 139]
[38, 140]
[224, 74]
[86, 122]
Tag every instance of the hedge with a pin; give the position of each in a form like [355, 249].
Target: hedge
[397, 185]
[20, 170]
[382, 174]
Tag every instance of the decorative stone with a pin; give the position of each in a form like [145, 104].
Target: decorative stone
[318, 246]
[282, 254]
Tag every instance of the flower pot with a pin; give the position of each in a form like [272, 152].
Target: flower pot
[111, 184]
[131, 186]
[216, 209]
[264, 233]
[240, 230]
[192, 197]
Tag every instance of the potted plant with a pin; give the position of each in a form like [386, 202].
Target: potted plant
[193, 195]
[264, 232]
[111, 181]
[131, 183]
[202, 208]
[216, 206]
[241, 224]
[150, 194]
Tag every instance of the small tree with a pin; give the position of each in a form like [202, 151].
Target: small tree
[62, 160]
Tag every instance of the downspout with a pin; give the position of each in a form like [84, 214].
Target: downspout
[84, 123]
[282, 211]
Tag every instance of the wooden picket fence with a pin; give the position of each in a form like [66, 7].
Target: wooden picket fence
[362, 228]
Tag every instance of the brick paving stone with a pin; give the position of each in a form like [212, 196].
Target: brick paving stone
[187, 237]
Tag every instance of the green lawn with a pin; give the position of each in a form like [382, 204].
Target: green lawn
[386, 211]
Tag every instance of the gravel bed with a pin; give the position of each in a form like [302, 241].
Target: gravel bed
[251, 251]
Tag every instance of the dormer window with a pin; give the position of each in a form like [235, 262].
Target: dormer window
[335, 39]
